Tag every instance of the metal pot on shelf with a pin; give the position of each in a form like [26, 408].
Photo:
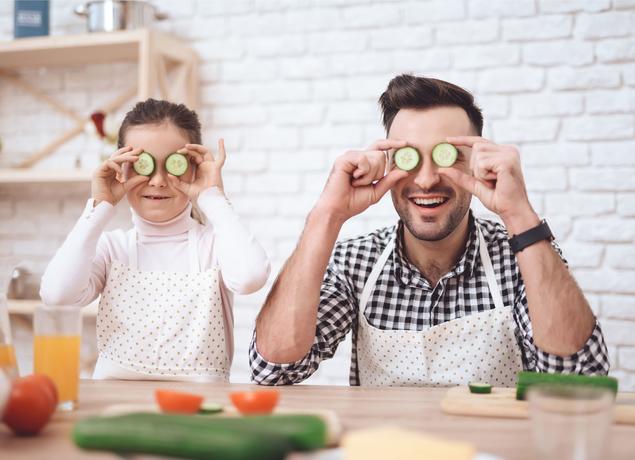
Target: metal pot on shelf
[112, 15]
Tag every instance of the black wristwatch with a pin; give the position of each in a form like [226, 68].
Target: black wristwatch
[533, 235]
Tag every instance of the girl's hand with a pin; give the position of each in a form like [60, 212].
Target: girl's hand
[109, 182]
[208, 169]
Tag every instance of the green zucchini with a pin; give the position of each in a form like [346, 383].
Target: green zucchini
[145, 164]
[198, 437]
[480, 388]
[527, 379]
[176, 164]
[406, 158]
[444, 154]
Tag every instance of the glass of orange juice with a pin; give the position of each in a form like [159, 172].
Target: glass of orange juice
[56, 345]
[8, 363]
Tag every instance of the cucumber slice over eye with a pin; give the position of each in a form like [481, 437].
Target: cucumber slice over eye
[406, 158]
[480, 388]
[176, 164]
[144, 166]
[444, 154]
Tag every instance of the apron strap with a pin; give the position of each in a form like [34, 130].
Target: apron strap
[132, 249]
[374, 274]
[489, 271]
[193, 259]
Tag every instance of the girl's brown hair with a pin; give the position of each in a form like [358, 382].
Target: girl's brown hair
[154, 112]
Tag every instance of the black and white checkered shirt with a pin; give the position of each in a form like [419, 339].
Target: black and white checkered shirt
[403, 300]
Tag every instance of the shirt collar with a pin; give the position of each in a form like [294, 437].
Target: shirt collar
[409, 275]
[175, 226]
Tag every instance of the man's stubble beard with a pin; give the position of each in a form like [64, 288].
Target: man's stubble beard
[450, 223]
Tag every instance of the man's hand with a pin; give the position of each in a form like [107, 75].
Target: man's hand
[496, 180]
[358, 180]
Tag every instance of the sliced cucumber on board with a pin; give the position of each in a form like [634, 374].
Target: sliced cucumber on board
[527, 379]
[145, 164]
[444, 154]
[176, 164]
[480, 388]
[406, 158]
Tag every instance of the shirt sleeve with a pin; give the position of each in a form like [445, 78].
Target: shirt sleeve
[243, 263]
[335, 318]
[77, 273]
[591, 359]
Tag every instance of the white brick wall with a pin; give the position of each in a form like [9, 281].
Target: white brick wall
[291, 84]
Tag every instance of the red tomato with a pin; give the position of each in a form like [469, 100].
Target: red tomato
[255, 402]
[175, 401]
[50, 387]
[30, 405]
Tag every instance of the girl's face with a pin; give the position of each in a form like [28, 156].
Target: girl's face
[157, 200]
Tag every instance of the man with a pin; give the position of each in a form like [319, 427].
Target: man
[441, 298]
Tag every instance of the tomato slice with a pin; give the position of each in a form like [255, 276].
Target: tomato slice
[178, 402]
[255, 402]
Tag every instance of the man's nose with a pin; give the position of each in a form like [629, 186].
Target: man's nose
[427, 176]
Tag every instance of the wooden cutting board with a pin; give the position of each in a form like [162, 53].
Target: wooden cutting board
[501, 402]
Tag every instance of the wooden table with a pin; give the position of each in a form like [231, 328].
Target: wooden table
[415, 408]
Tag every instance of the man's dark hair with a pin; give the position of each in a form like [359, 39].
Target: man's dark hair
[410, 92]
[154, 112]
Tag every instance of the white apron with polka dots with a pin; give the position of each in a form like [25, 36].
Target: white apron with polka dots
[162, 325]
[478, 347]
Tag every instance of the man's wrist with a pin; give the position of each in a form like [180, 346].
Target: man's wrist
[521, 222]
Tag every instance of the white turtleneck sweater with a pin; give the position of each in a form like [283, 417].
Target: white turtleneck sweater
[78, 271]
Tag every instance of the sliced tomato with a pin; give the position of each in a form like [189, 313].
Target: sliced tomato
[255, 402]
[179, 402]
[30, 405]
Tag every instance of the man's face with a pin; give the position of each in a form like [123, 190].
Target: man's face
[429, 204]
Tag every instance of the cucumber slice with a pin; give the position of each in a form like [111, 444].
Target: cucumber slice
[210, 408]
[444, 154]
[480, 388]
[144, 166]
[527, 379]
[176, 164]
[406, 158]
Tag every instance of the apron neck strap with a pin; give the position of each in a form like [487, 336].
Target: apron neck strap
[489, 270]
[193, 260]
[485, 260]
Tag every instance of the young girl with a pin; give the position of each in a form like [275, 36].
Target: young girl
[166, 285]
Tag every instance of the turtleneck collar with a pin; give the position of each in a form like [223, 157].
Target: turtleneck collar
[179, 224]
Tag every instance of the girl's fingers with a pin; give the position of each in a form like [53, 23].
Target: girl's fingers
[110, 164]
[134, 181]
[222, 155]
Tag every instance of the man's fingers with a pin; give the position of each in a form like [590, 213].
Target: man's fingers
[363, 167]
[387, 144]
[476, 187]
[467, 141]
[387, 182]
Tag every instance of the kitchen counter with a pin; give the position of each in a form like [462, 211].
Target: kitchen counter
[414, 408]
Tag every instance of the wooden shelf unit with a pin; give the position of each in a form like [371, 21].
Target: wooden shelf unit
[159, 57]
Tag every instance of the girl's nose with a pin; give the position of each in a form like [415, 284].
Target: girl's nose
[427, 176]
[158, 179]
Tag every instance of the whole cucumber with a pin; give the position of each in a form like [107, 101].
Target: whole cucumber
[161, 434]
